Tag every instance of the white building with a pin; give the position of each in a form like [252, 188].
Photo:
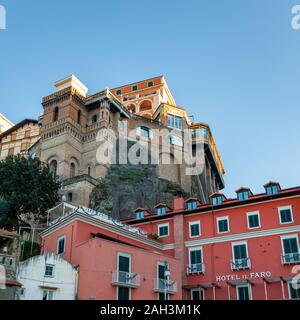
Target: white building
[47, 277]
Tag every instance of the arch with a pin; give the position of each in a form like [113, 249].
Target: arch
[145, 105]
[72, 170]
[94, 118]
[78, 116]
[70, 197]
[131, 107]
[55, 114]
[53, 167]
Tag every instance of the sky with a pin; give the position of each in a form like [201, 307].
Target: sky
[233, 64]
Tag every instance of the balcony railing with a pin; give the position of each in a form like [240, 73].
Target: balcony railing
[240, 264]
[162, 285]
[8, 261]
[196, 268]
[125, 279]
[290, 258]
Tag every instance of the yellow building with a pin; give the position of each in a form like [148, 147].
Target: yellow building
[5, 124]
[19, 138]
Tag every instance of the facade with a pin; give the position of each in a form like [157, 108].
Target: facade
[114, 260]
[9, 258]
[243, 248]
[19, 138]
[5, 124]
[47, 277]
[72, 119]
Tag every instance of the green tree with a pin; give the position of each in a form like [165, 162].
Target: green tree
[28, 189]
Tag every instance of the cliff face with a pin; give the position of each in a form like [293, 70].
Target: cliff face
[127, 187]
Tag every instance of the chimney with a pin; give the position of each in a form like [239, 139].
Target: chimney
[179, 203]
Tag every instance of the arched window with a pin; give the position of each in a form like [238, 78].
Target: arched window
[70, 197]
[78, 116]
[72, 170]
[145, 106]
[89, 170]
[131, 108]
[55, 114]
[53, 167]
[94, 118]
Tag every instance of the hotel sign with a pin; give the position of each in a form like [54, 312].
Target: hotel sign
[245, 276]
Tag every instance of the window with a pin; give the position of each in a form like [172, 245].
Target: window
[163, 230]
[197, 294]
[294, 290]
[150, 84]
[13, 137]
[70, 197]
[61, 245]
[145, 132]
[161, 210]
[285, 215]
[243, 195]
[118, 92]
[139, 214]
[22, 292]
[94, 118]
[27, 133]
[240, 256]
[191, 204]
[196, 260]
[48, 295]
[134, 88]
[49, 271]
[162, 280]
[217, 200]
[243, 292]
[223, 224]
[290, 249]
[176, 141]
[55, 114]
[72, 170]
[11, 151]
[272, 189]
[89, 170]
[194, 229]
[124, 268]
[78, 116]
[53, 167]
[174, 122]
[122, 126]
[253, 220]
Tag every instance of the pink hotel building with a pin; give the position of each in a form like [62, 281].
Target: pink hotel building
[239, 249]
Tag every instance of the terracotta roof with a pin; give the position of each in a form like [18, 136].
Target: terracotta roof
[7, 233]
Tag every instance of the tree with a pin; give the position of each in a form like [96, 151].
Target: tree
[28, 189]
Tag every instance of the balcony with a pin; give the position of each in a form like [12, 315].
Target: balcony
[162, 285]
[290, 258]
[125, 279]
[8, 261]
[197, 268]
[240, 264]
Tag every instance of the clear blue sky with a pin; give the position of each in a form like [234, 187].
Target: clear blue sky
[234, 64]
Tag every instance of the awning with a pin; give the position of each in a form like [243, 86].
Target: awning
[49, 288]
[13, 283]
[278, 279]
[202, 285]
[235, 283]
